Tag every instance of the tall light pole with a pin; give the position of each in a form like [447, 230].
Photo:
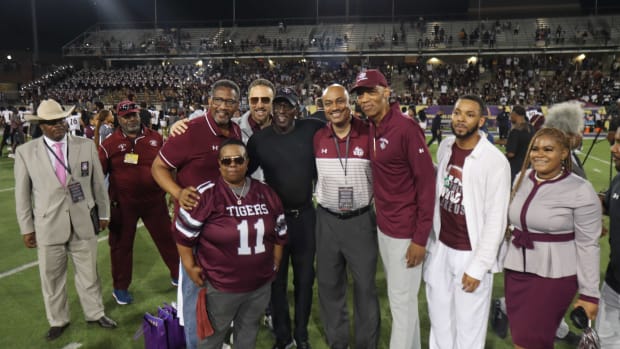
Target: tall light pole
[234, 13]
[317, 11]
[155, 18]
[35, 37]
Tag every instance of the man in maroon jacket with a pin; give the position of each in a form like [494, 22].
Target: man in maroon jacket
[127, 156]
[403, 185]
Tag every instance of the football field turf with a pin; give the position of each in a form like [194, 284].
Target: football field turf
[24, 324]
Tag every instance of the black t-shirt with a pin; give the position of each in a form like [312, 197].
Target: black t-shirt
[612, 203]
[287, 161]
[517, 143]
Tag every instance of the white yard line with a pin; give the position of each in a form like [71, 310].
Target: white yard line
[35, 263]
[72, 346]
[6, 189]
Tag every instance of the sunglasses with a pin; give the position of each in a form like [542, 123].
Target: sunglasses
[239, 160]
[264, 100]
[51, 122]
[128, 106]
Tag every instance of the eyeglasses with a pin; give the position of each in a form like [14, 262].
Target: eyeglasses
[264, 100]
[219, 101]
[51, 122]
[128, 106]
[239, 160]
[130, 115]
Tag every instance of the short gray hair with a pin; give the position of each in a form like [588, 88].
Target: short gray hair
[566, 116]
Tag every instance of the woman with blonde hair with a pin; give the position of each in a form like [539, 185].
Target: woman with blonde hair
[555, 219]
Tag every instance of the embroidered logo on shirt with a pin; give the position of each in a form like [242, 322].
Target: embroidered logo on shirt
[359, 152]
[122, 147]
[615, 196]
[421, 150]
[214, 147]
[323, 150]
[383, 143]
[153, 143]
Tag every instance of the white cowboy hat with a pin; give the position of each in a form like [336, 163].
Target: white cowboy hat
[49, 109]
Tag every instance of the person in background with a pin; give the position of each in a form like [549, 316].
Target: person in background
[104, 125]
[231, 243]
[555, 223]
[58, 181]
[608, 316]
[518, 140]
[568, 117]
[127, 156]
[436, 128]
[320, 111]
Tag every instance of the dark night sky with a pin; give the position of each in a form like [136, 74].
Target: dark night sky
[59, 21]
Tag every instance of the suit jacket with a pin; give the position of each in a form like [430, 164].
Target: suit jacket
[44, 206]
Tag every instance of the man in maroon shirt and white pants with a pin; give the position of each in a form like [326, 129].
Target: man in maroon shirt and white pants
[127, 156]
[404, 180]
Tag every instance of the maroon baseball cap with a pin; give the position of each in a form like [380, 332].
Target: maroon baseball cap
[127, 107]
[370, 78]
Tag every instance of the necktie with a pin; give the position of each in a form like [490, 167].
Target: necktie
[60, 168]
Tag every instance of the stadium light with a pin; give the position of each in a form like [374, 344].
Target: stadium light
[9, 57]
[199, 63]
[580, 58]
[472, 60]
[433, 60]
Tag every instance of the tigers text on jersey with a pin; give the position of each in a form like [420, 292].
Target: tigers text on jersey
[234, 242]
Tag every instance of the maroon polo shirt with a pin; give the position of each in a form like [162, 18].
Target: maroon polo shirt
[194, 153]
[404, 177]
[131, 181]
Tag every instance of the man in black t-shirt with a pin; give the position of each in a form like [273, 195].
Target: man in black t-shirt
[502, 123]
[518, 140]
[285, 153]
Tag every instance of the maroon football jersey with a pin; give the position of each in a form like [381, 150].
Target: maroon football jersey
[452, 212]
[235, 241]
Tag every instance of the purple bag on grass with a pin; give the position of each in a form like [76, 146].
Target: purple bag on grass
[174, 330]
[154, 331]
[162, 331]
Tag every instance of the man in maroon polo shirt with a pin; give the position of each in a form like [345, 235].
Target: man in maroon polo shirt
[193, 155]
[403, 184]
[127, 156]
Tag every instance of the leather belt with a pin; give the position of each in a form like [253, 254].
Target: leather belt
[347, 214]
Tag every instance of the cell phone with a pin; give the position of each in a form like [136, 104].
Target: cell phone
[579, 318]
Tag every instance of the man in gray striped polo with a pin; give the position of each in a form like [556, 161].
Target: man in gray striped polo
[345, 229]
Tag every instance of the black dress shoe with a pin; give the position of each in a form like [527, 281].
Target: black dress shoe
[105, 322]
[55, 332]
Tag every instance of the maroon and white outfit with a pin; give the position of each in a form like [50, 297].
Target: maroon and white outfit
[234, 239]
[404, 180]
[134, 194]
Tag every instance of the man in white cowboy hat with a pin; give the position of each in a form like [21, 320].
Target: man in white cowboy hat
[58, 181]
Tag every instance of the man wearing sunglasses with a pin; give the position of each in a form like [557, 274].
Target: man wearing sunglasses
[284, 151]
[260, 96]
[193, 156]
[127, 155]
[58, 180]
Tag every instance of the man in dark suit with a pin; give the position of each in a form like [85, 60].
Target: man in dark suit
[58, 180]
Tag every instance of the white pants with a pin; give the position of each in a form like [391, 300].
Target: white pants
[608, 318]
[403, 285]
[458, 318]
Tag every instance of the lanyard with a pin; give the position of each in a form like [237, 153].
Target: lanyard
[346, 154]
[56, 156]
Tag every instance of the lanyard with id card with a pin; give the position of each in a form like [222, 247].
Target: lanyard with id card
[131, 157]
[75, 188]
[345, 194]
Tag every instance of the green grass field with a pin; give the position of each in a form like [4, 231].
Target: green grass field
[25, 324]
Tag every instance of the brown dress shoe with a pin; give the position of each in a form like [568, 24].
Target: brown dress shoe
[55, 332]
